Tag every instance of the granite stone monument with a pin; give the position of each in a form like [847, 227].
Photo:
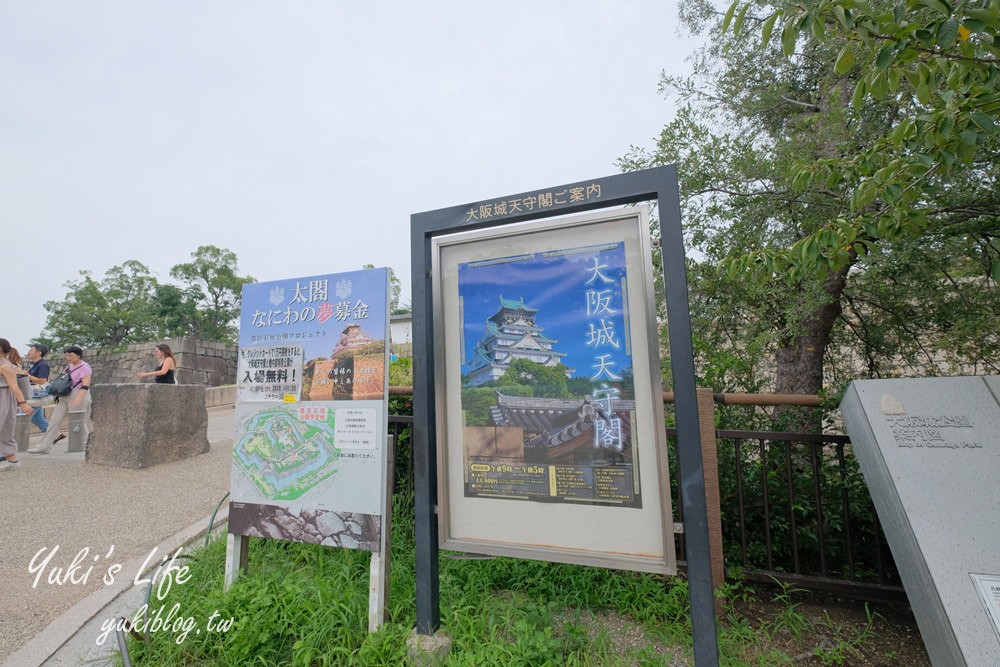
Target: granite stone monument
[929, 450]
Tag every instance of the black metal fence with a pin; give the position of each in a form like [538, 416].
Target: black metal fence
[794, 508]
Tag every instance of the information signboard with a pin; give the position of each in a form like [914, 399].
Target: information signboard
[309, 448]
[310, 456]
[554, 445]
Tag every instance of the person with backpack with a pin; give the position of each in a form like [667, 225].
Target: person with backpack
[78, 400]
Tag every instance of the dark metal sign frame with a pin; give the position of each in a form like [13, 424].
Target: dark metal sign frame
[660, 184]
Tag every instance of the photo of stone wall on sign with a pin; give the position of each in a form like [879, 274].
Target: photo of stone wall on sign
[929, 449]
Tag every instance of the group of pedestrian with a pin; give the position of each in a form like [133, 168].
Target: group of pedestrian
[18, 387]
[78, 400]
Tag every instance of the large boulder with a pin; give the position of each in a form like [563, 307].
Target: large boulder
[141, 425]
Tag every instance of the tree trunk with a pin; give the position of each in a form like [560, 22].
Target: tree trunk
[799, 359]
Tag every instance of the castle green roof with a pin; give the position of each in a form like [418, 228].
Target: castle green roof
[511, 304]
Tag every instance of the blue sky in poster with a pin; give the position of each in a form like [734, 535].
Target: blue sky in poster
[314, 310]
[556, 285]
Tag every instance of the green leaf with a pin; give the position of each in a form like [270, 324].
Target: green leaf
[894, 75]
[833, 179]
[947, 157]
[858, 98]
[989, 17]
[901, 133]
[996, 271]
[879, 86]
[966, 152]
[924, 93]
[845, 61]
[947, 33]
[946, 125]
[802, 249]
[801, 180]
[789, 35]
[863, 195]
[891, 193]
[765, 33]
[969, 137]
[843, 16]
[943, 65]
[885, 56]
[818, 29]
[926, 74]
[939, 6]
[729, 16]
[984, 121]
[740, 18]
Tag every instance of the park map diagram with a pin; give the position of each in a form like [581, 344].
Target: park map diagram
[282, 456]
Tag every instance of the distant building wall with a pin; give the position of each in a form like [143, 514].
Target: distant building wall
[401, 329]
[203, 362]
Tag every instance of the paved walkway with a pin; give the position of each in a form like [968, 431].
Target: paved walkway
[98, 517]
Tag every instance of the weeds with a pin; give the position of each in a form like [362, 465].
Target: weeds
[845, 645]
[302, 605]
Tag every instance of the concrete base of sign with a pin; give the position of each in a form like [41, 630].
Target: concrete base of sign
[929, 449]
[426, 650]
[141, 425]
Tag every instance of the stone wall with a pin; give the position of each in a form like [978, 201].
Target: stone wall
[216, 397]
[203, 362]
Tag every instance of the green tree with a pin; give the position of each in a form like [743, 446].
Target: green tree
[767, 146]
[176, 311]
[547, 381]
[213, 275]
[117, 310]
[395, 291]
[930, 70]
[478, 402]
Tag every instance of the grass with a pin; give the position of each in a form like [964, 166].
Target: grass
[307, 606]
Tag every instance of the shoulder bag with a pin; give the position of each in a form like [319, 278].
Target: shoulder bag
[62, 385]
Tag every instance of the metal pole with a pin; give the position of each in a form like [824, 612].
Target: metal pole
[689, 464]
[424, 436]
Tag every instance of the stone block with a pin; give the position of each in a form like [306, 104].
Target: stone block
[141, 425]
[217, 396]
[427, 650]
[184, 345]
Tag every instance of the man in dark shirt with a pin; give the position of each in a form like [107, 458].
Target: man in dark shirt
[38, 373]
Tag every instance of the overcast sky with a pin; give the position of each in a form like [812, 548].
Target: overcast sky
[300, 135]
